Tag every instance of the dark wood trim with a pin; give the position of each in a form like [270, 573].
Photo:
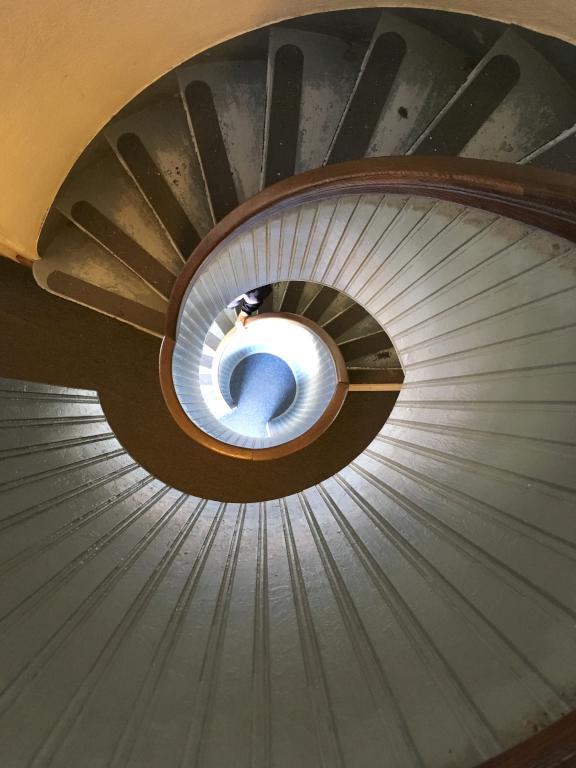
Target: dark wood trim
[257, 454]
[544, 199]
[553, 747]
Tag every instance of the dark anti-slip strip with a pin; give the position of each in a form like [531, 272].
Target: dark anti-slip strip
[284, 121]
[211, 148]
[472, 108]
[369, 98]
[157, 191]
[123, 247]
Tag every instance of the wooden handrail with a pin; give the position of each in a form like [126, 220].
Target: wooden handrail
[541, 198]
[544, 199]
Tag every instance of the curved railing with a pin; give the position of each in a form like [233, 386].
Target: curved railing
[208, 281]
[544, 199]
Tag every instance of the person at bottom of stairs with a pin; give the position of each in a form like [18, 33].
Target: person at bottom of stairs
[249, 303]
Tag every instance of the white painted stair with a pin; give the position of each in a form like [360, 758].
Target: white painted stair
[418, 605]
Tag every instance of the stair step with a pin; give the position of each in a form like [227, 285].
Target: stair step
[345, 320]
[75, 267]
[309, 290]
[372, 344]
[375, 376]
[512, 103]
[158, 194]
[308, 294]
[124, 248]
[292, 296]
[407, 75]
[471, 34]
[267, 304]
[163, 162]
[310, 78]
[352, 322]
[339, 304]
[104, 184]
[558, 154]
[226, 105]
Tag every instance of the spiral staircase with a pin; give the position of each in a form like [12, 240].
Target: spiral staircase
[397, 589]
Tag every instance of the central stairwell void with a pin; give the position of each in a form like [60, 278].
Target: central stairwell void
[262, 388]
[336, 597]
[275, 379]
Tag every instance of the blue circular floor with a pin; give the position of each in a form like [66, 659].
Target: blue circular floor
[262, 387]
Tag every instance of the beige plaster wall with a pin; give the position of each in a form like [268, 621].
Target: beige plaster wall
[66, 66]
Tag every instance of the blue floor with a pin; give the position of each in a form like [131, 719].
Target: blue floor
[262, 386]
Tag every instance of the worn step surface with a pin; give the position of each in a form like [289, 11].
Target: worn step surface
[156, 149]
[557, 155]
[407, 76]
[78, 268]
[225, 104]
[310, 77]
[511, 104]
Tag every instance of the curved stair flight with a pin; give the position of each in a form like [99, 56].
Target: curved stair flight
[413, 607]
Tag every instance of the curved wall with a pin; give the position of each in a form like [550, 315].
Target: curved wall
[66, 68]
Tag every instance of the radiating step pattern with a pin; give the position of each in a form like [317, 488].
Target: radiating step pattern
[310, 79]
[407, 76]
[360, 338]
[419, 604]
[225, 105]
[209, 135]
[511, 104]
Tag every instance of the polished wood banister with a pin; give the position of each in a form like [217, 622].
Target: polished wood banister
[544, 199]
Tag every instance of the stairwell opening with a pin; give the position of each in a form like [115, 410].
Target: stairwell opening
[266, 383]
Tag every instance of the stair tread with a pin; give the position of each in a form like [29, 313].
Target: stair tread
[163, 130]
[430, 72]
[239, 92]
[330, 68]
[354, 323]
[106, 185]
[558, 154]
[73, 264]
[339, 304]
[537, 106]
